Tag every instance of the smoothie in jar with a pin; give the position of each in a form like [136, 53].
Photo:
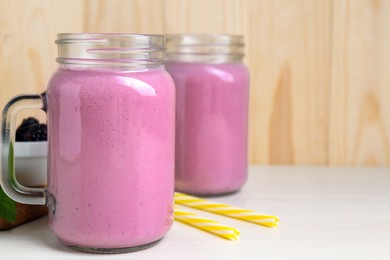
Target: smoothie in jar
[111, 143]
[212, 89]
[111, 155]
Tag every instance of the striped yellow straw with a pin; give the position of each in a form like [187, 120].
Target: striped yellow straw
[207, 225]
[226, 210]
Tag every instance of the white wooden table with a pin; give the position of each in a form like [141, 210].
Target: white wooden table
[325, 213]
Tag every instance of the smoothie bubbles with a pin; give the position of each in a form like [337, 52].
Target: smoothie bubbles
[111, 132]
[212, 86]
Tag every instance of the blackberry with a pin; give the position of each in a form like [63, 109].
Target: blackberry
[29, 121]
[31, 130]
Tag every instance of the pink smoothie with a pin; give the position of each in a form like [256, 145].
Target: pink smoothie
[111, 156]
[211, 127]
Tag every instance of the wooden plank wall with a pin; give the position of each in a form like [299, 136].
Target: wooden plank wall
[320, 70]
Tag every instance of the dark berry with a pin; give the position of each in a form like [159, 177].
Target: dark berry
[31, 130]
[30, 121]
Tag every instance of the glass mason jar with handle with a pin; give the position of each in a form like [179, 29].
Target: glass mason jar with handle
[110, 113]
[212, 88]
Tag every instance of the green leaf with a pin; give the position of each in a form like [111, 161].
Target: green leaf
[7, 205]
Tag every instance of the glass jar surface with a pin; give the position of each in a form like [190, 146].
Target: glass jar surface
[212, 89]
[111, 131]
[111, 120]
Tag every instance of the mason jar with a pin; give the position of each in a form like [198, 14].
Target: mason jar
[212, 87]
[111, 130]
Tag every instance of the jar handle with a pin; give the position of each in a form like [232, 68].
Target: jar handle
[16, 191]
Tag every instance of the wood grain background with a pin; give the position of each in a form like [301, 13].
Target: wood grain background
[320, 70]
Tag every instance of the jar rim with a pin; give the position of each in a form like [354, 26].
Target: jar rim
[111, 49]
[65, 38]
[211, 48]
[204, 39]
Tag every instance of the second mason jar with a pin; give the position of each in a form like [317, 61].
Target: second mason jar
[212, 88]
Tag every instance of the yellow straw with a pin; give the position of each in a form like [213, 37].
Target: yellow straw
[207, 225]
[226, 210]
